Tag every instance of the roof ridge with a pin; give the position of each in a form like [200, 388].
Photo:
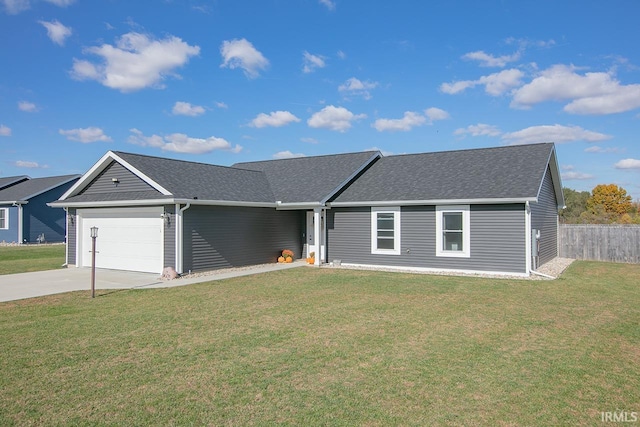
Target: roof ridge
[309, 157]
[466, 150]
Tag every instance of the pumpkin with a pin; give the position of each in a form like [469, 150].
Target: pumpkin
[280, 259]
[311, 260]
[288, 259]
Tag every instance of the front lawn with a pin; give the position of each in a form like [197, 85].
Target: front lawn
[329, 347]
[27, 258]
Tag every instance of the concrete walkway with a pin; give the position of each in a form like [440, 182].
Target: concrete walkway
[29, 285]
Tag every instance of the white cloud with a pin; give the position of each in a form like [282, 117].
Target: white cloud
[628, 164]
[480, 129]
[330, 4]
[287, 155]
[406, 123]
[383, 152]
[357, 87]
[240, 53]
[5, 130]
[487, 60]
[221, 105]
[85, 135]
[574, 176]
[56, 31]
[334, 118]
[273, 119]
[553, 133]
[27, 106]
[31, 165]
[309, 140]
[13, 7]
[136, 61]
[311, 62]
[341, 55]
[598, 149]
[61, 3]
[494, 84]
[186, 109]
[435, 114]
[181, 143]
[588, 93]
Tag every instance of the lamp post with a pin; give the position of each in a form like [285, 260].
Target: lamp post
[94, 235]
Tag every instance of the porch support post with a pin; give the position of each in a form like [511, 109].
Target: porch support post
[317, 232]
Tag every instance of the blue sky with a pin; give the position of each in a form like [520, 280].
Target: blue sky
[225, 81]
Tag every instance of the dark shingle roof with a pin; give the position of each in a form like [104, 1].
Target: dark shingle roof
[11, 180]
[309, 179]
[488, 173]
[25, 190]
[189, 180]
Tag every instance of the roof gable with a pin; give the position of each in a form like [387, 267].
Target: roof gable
[500, 173]
[311, 179]
[30, 188]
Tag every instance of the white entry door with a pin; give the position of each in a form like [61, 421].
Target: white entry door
[311, 237]
[128, 238]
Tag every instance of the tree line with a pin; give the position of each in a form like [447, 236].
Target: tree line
[605, 204]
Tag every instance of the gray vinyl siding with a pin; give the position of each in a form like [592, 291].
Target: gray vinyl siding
[497, 239]
[221, 237]
[71, 236]
[544, 217]
[127, 181]
[10, 235]
[170, 237]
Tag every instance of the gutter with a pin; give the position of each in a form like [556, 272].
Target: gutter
[433, 202]
[155, 202]
[179, 234]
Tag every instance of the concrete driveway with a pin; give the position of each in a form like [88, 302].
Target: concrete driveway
[40, 283]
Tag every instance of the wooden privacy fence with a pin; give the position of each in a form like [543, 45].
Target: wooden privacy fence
[614, 243]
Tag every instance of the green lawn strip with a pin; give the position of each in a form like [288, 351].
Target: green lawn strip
[28, 258]
[339, 347]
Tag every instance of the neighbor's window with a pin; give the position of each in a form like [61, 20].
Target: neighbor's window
[452, 231]
[385, 231]
[4, 219]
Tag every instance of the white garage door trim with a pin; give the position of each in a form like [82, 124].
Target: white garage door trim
[128, 238]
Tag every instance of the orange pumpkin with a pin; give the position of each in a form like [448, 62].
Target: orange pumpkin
[280, 259]
[288, 259]
[312, 260]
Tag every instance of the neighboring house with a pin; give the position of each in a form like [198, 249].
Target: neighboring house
[24, 214]
[469, 211]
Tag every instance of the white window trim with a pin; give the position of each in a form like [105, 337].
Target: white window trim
[396, 230]
[466, 231]
[6, 218]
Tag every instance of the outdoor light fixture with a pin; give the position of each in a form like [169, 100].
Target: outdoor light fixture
[115, 181]
[94, 232]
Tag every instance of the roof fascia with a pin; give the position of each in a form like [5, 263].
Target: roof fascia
[298, 206]
[101, 165]
[13, 202]
[350, 178]
[434, 202]
[52, 187]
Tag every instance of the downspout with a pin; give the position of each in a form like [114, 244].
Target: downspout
[527, 237]
[179, 234]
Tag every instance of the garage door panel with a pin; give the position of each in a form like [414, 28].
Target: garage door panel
[128, 239]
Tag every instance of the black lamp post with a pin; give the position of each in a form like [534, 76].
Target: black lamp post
[94, 235]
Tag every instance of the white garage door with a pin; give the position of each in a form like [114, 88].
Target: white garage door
[128, 238]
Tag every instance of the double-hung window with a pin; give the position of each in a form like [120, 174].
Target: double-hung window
[385, 230]
[4, 219]
[453, 236]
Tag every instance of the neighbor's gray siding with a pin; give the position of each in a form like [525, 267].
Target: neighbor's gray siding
[220, 237]
[127, 181]
[497, 239]
[170, 237]
[71, 236]
[544, 217]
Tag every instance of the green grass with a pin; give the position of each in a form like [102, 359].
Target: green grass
[329, 347]
[27, 258]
